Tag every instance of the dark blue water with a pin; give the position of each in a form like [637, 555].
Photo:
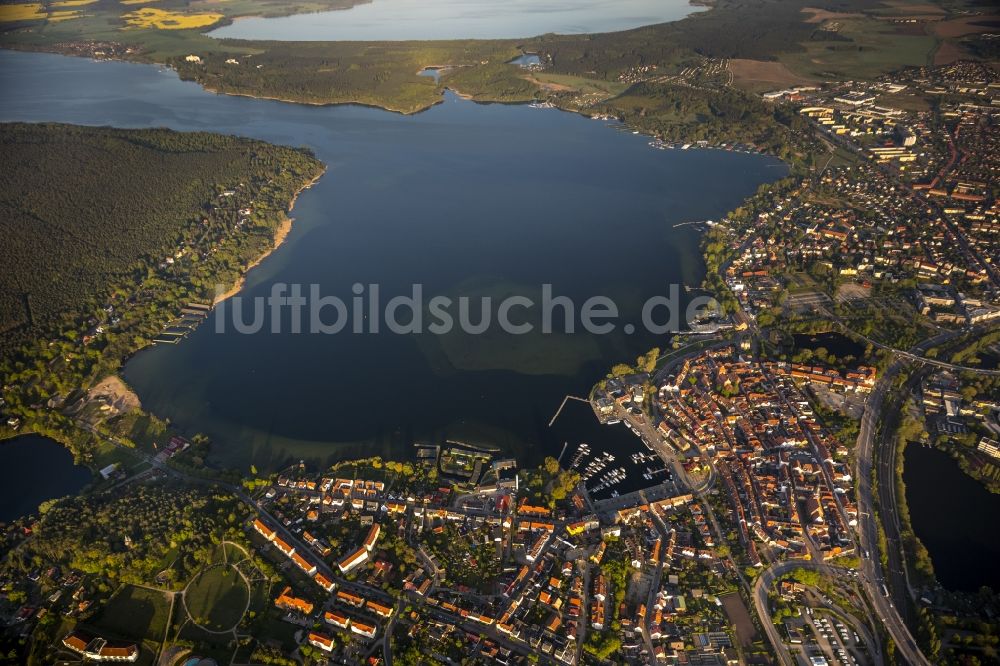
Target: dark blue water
[464, 199]
[36, 469]
[835, 343]
[950, 512]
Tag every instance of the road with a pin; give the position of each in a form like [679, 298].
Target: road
[873, 577]
[915, 354]
[259, 511]
[763, 584]
[871, 566]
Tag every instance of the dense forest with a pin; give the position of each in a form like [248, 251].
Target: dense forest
[108, 233]
[84, 209]
[755, 29]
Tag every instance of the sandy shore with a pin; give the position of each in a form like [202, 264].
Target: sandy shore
[284, 227]
[121, 397]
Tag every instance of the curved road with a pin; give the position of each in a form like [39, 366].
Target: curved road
[916, 354]
[873, 577]
[765, 582]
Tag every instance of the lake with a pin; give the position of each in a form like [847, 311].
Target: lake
[833, 342]
[38, 469]
[464, 199]
[459, 19]
[951, 514]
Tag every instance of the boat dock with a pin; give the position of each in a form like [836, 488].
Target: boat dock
[176, 329]
[563, 404]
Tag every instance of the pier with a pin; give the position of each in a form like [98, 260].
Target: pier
[692, 223]
[177, 328]
[563, 404]
[565, 444]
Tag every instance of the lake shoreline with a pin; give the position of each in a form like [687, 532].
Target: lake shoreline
[285, 100]
[469, 402]
[57, 475]
[955, 544]
[280, 234]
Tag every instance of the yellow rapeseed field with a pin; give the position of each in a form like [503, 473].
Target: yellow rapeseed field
[65, 15]
[22, 12]
[151, 17]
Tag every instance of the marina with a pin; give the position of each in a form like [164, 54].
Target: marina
[191, 316]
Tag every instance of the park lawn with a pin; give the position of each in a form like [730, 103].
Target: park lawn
[906, 101]
[230, 553]
[107, 453]
[136, 613]
[214, 646]
[143, 429]
[169, 558]
[217, 598]
[270, 627]
[800, 282]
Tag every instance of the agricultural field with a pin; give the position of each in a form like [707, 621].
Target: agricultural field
[760, 75]
[22, 12]
[151, 17]
[588, 91]
[859, 48]
[168, 14]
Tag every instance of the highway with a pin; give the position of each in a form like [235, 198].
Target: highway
[873, 577]
[871, 438]
[765, 583]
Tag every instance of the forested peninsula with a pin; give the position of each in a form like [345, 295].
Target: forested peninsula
[108, 235]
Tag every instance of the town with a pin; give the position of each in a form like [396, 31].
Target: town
[856, 315]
